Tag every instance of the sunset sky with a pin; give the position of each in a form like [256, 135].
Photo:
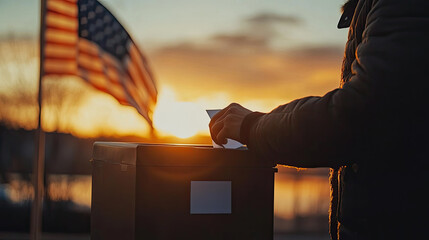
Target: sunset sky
[204, 54]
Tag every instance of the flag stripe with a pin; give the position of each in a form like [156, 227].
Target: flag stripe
[60, 37]
[87, 62]
[60, 51]
[88, 47]
[93, 50]
[100, 63]
[55, 58]
[53, 66]
[139, 95]
[90, 63]
[56, 42]
[62, 22]
[132, 70]
[58, 56]
[144, 75]
[95, 62]
[62, 7]
[112, 73]
[102, 83]
[111, 61]
[111, 65]
[141, 106]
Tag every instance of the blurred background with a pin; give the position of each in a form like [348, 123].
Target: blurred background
[204, 55]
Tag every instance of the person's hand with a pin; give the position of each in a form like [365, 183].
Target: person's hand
[227, 123]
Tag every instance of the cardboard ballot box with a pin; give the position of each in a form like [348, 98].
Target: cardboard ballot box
[150, 191]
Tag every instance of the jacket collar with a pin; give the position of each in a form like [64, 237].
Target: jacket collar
[348, 11]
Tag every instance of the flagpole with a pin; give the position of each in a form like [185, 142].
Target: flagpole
[39, 163]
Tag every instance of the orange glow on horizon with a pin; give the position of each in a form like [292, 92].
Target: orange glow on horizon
[72, 106]
[91, 113]
[179, 118]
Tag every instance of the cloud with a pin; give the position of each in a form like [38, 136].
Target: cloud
[317, 51]
[196, 71]
[270, 18]
[258, 32]
[240, 40]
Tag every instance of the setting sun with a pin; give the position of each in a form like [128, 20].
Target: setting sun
[181, 119]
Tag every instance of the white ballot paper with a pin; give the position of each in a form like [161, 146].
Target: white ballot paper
[231, 144]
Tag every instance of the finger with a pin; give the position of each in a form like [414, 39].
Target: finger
[230, 110]
[222, 113]
[217, 116]
[222, 137]
[216, 128]
[212, 133]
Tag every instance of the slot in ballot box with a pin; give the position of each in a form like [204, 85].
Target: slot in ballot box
[152, 191]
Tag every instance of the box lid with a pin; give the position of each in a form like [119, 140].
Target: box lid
[115, 152]
[176, 155]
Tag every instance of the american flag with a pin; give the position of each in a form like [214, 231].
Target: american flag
[84, 39]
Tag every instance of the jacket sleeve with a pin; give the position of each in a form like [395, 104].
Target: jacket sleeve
[326, 131]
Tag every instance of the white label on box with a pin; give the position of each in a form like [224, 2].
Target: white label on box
[210, 197]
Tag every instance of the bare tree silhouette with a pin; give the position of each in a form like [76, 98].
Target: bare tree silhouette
[18, 96]
[18, 71]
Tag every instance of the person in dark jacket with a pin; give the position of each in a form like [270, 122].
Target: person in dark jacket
[372, 131]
